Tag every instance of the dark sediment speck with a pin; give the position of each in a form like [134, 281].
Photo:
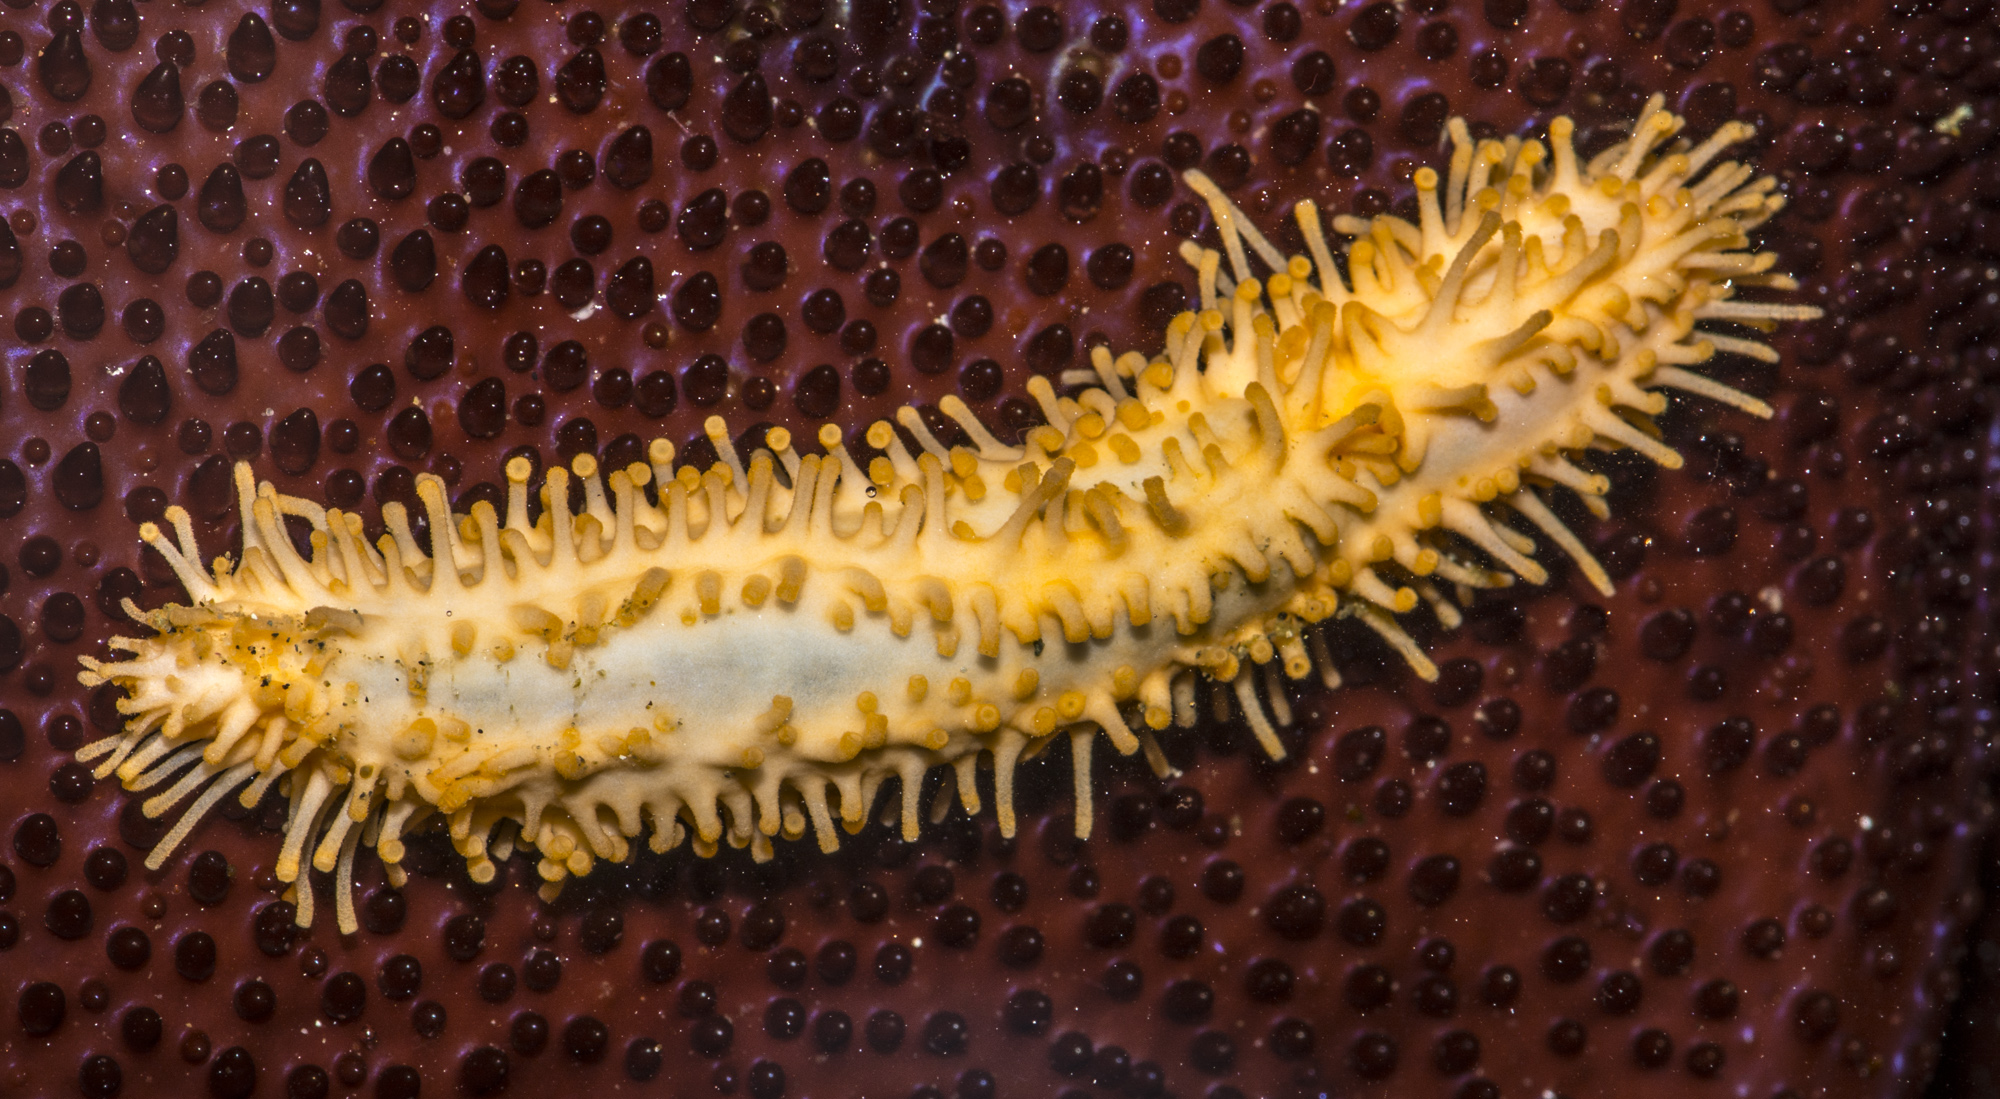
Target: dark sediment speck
[251, 53]
[221, 206]
[485, 281]
[145, 396]
[158, 102]
[413, 264]
[79, 478]
[392, 170]
[628, 160]
[308, 199]
[79, 185]
[460, 86]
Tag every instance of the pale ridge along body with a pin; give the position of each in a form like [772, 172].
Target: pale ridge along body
[754, 650]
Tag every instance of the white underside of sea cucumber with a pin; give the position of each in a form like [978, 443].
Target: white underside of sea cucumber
[753, 651]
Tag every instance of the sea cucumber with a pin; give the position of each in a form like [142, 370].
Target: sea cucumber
[706, 653]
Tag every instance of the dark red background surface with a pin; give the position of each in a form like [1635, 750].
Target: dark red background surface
[1854, 833]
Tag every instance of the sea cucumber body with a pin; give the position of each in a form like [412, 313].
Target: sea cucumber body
[754, 650]
[670, 705]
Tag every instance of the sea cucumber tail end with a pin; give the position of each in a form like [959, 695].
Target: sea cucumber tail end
[1455, 366]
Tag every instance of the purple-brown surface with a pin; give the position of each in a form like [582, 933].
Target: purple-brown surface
[1716, 835]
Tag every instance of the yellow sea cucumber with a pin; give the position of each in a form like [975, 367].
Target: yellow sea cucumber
[709, 654]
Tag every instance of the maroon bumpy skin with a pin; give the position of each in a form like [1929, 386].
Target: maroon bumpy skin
[1713, 836]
